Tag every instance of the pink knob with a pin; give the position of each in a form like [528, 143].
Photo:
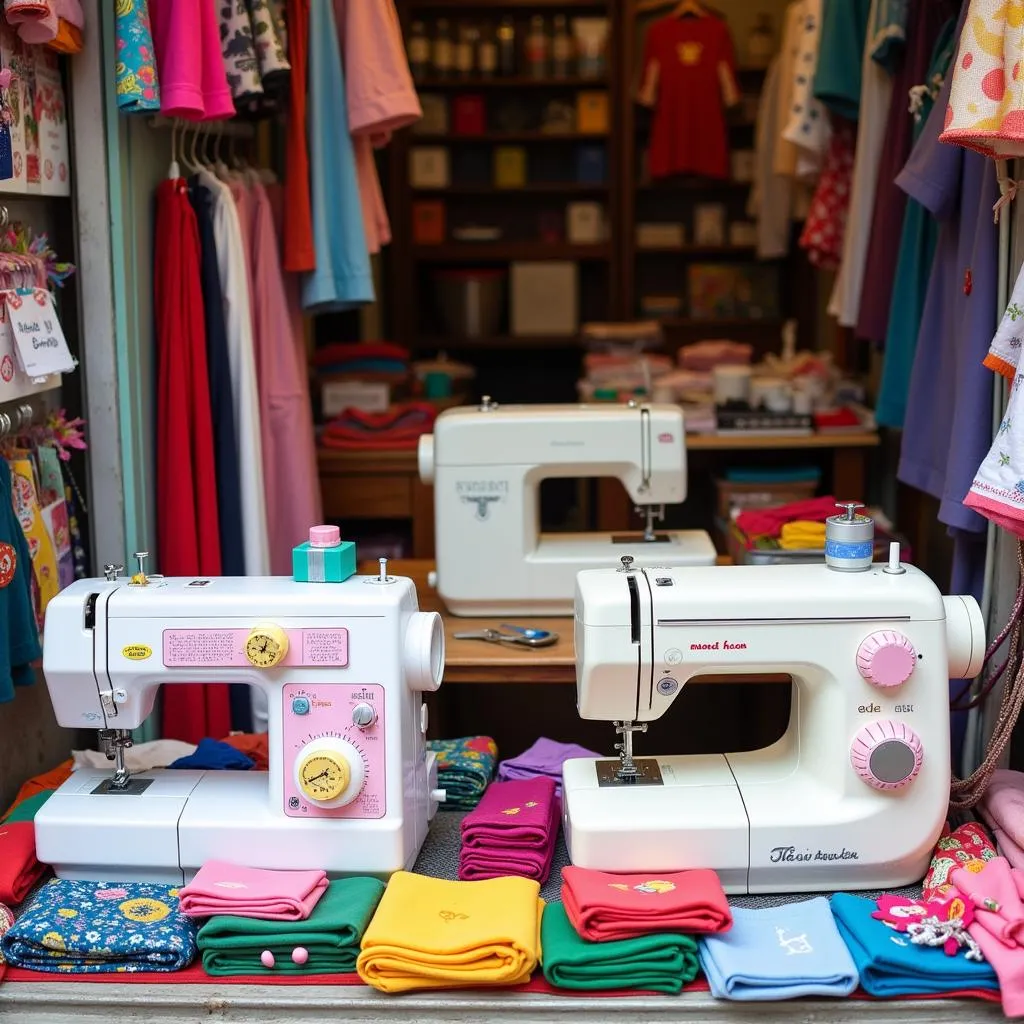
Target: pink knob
[887, 755]
[886, 658]
[267, 959]
[300, 955]
[324, 536]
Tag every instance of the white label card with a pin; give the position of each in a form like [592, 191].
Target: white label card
[41, 346]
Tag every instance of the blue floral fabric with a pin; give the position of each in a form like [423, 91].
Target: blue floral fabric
[138, 88]
[101, 928]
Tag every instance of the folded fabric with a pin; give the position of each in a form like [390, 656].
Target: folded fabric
[890, 965]
[802, 536]
[44, 782]
[430, 933]
[768, 522]
[546, 758]
[220, 887]
[19, 868]
[653, 963]
[465, 768]
[512, 831]
[605, 907]
[326, 943]
[348, 352]
[27, 809]
[779, 953]
[252, 744]
[398, 428]
[1002, 808]
[966, 846]
[73, 927]
[213, 755]
[140, 757]
[34, 20]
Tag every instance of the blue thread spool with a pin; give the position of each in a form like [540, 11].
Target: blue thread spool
[849, 539]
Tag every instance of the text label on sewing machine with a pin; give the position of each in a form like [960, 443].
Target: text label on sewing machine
[720, 645]
[225, 648]
[482, 494]
[789, 855]
[137, 652]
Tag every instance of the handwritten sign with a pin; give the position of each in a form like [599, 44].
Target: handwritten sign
[40, 343]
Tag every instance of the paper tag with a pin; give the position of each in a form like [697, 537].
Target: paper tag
[39, 339]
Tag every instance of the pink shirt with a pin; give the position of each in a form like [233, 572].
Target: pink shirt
[193, 82]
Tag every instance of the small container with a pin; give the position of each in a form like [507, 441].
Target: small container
[849, 539]
[324, 558]
[731, 383]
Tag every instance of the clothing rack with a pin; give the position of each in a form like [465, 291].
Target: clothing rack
[229, 129]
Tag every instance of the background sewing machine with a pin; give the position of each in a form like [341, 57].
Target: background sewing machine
[351, 786]
[487, 463]
[854, 794]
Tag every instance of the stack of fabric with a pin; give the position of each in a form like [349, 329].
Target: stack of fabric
[398, 428]
[704, 356]
[511, 832]
[430, 933]
[465, 768]
[1002, 809]
[544, 759]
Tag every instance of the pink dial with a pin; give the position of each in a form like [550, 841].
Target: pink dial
[887, 755]
[886, 658]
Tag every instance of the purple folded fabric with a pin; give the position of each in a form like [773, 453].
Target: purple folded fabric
[512, 831]
[544, 758]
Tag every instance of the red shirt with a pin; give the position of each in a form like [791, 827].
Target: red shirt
[692, 63]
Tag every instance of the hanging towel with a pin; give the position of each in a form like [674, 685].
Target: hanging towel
[326, 943]
[101, 928]
[19, 868]
[544, 758]
[653, 963]
[604, 907]
[429, 933]
[223, 888]
[779, 953]
[465, 768]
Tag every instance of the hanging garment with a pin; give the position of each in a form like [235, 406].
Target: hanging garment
[239, 49]
[806, 123]
[784, 160]
[838, 78]
[41, 550]
[138, 88]
[271, 54]
[35, 21]
[299, 253]
[887, 33]
[825, 227]
[70, 27]
[186, 487]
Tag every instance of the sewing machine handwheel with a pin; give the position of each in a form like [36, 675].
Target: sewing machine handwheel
[887, 755]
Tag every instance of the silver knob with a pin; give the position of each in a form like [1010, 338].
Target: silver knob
[627, 563]
[383, 562]
[487, 404]
[140, 557]
[850, 507]
[363, 716]
[112, 571]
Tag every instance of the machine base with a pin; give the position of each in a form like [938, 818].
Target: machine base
[183, 819]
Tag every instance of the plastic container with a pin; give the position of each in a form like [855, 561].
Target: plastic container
[471, 303]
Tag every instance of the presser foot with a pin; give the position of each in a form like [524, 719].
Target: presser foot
[646, 772]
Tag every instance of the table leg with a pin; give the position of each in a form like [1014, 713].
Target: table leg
[849, 477]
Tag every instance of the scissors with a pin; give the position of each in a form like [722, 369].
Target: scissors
[495, 636]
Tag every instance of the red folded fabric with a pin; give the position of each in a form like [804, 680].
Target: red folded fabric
[768, 522]
[398, 428]
[19, 868]
[332, 355]
[603, 907]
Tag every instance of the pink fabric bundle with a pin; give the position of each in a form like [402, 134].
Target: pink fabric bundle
[512, 831]
[34, 20]
[223, 888]
[706, 355]
[1002, 809]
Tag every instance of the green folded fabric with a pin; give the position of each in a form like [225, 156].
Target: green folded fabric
[652, 963]
[330, 935]
[26, 810]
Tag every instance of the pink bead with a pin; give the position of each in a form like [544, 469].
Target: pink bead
[300, 955]
[267, 959]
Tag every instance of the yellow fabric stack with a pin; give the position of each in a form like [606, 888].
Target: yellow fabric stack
[802, 535]
[429, 933]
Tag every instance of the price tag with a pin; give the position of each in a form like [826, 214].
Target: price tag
[39, 340]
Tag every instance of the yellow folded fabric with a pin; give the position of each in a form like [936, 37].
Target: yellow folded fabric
[801, 535]
[429, 933]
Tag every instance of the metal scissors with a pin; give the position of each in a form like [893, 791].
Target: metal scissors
[495, 636]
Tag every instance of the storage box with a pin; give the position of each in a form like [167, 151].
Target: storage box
[586, 223]
[761, 494]
[652, 235]
[591, 165]
[435, 115]
[592, 113]
[544, 298]
[509, 167]
[323, 565]
[429, 167]
[470, 115]
[338, 395]
[428, 222]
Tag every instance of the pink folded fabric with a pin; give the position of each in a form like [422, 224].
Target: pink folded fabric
[512, 831]
[35, 21]
[1002, 809]
[223, 888]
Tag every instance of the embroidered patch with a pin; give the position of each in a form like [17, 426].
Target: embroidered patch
[8, 564]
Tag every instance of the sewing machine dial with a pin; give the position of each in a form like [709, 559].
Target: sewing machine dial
[330, 771]
[266, 646]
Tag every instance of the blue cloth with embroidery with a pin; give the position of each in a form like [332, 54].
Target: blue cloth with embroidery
[779, 953]
[74, 927]
[465, 768]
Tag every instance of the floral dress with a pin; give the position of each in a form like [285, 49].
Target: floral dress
[138, 89]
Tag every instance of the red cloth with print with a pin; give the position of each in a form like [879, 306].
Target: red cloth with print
[187, 526]
[825, 227]
[693, 65]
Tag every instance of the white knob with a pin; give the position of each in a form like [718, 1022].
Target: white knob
[424, 651]
[439, 796]
[432, 579]
[425, 458]
[363, 715]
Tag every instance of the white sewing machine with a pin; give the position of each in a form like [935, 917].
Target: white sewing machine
[854, 794]
[351, 786]
[487, 463]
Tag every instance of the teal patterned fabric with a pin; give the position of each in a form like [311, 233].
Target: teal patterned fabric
[465, 768]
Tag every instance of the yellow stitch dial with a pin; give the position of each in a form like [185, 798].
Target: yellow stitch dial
[266, 646]
[324, 776]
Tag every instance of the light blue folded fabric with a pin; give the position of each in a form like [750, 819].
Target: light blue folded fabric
[779, 953]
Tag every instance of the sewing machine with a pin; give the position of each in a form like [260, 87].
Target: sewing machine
[853, 796]
[487, 463]
[351, 786]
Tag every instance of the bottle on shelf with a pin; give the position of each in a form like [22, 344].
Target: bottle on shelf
[487, 53]
[507, 46]
[419, 51]
[561, 48]
[465, 51]
[537, 48]
[444, 50]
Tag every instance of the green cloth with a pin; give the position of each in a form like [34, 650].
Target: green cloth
[651, 963]
[331, 935]
[465, 767]
[837, 78]
[26, 810]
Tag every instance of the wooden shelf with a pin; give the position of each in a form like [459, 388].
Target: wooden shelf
[500, 252]
[500, 342]
[550, 188]
[502, 137]
[512, 82]
[557, 5]
[691, 324]
[693, 185]
[698, 250]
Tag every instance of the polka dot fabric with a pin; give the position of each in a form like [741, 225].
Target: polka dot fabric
[986, 102]
[825, 227]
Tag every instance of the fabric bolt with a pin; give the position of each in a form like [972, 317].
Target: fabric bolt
[545, 758]
[917, 243]
[220, 887]
[966, 846]
[342, 278]
[20, 870]
[188, 530]
[837, 81]
[465, 768]
[213, 755]
[876, 91]
[238, 50]
[431, 933]
[298, 251]
[136, 80]
[331, 935]
[890, 966]
[17, 614]
[1002, 809]
[606, 907]
[72, 927]
[927, 18]
[779, 953]
[807, 126]
[688, 75]
[27, 809]
[651, 963]
[947, 427]
[825, 227]
[888, 31]
[186, 40]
